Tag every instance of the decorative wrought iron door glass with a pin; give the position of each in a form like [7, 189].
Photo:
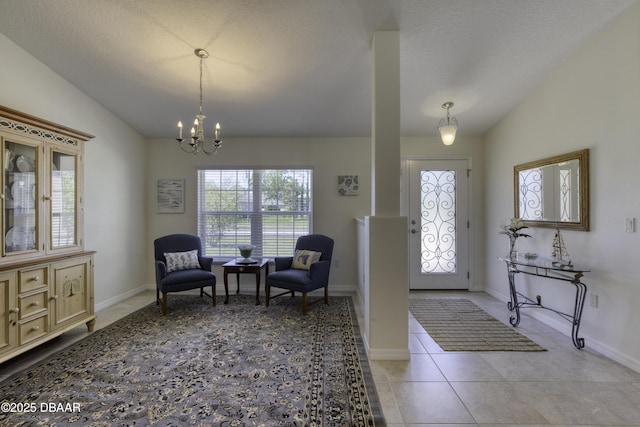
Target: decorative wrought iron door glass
[438, 221]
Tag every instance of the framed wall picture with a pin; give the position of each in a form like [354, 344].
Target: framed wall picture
[171, 196]
[348, 185]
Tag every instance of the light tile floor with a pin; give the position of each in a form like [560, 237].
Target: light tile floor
[560, 387]
[563, 386]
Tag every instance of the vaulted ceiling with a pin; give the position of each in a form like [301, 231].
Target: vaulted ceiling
[302, 67]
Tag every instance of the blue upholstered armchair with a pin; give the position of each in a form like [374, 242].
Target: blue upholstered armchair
[180, 266]
[304, 272]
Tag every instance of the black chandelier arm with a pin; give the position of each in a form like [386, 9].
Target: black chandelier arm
[215, 145]
[188, 147]
[198, 145]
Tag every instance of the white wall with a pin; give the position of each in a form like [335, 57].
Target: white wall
[114, 168]
[592, 102]
[333, 215]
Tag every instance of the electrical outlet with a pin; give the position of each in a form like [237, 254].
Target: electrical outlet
[593, 300]
[630, 225]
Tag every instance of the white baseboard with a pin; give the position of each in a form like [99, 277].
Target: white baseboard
[612, 353]
[122, 297]
[385, 353]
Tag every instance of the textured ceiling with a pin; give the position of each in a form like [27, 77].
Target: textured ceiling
[302, 67]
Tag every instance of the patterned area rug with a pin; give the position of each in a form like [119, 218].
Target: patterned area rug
[232, 365]
[460, 325]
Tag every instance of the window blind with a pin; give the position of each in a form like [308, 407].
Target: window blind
[268, 208]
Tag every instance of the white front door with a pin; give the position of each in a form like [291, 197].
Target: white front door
[438, 214]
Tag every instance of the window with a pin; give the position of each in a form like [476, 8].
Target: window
[268, 208]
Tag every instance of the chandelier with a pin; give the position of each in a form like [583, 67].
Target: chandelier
[197, 142]
[448, 126]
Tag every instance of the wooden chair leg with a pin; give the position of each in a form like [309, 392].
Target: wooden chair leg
[267, 291]
[201, 292]
[304, 303]
[164, 303]
[157, 296]
[326, 295]
[213, 294]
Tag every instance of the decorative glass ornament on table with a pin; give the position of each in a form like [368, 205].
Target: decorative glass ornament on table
[245, 252]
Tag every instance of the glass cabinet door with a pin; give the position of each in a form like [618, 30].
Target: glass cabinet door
[20, 219]
[64, 195]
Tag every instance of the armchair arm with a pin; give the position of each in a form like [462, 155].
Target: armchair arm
[283, 262]
[319, 272]
[205, 262]
[161, 270]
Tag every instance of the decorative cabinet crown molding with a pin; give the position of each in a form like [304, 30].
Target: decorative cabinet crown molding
[22, 123]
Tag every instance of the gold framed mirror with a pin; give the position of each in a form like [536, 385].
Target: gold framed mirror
[554, 192]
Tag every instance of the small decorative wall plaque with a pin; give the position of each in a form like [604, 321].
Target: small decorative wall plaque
[171, 196]
[348, 185]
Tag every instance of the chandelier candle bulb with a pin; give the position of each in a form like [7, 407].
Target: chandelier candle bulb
[217, 131]
[179, 130]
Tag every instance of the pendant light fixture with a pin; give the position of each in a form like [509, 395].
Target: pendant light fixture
[197, 142]
[448, 126]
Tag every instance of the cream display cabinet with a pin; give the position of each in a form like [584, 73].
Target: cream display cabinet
[46, 275]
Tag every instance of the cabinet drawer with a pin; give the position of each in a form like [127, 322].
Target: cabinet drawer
[33, 329]
[33, 304]
[32, 279]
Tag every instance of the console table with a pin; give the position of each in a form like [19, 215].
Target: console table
[551, 269]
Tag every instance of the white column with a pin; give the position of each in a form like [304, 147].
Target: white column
[385, 114]
[386, 303]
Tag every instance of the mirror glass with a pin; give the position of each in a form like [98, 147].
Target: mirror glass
[554, 192]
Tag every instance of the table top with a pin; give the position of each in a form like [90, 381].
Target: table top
[544, 263]
[259, 262]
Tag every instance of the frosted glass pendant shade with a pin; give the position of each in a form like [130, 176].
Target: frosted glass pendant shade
[448, 126]
[448, 133]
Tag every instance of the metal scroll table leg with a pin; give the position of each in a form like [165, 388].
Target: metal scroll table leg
[581, 293]
[513, 304]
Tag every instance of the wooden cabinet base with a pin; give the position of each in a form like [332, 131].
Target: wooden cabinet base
[40, 300]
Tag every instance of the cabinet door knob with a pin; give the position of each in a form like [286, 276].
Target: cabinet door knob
[35, 328]
[14, 310]
[54, 297]
[46, 198]
[34, 279]
[35, 303]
